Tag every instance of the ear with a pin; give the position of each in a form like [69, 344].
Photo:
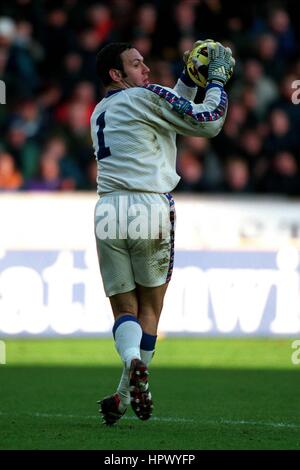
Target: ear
[116, 75]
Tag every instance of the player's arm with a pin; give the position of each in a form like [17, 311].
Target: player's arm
[177, 114]
[205, 119]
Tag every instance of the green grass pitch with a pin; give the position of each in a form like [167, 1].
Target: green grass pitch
[208, 394]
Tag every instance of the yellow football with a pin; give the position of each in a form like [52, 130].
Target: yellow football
[201, 54]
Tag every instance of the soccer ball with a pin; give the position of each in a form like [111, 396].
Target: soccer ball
[199, 76]
[201, 54]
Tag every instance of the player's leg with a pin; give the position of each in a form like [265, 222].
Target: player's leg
[117, 275]
[127, 334]
[152, 264]
[133, 386]
[150, 300]
[119, 286]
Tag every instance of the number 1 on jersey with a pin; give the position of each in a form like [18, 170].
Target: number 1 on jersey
[102, 150]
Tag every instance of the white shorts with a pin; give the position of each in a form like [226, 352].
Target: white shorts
[135, 239]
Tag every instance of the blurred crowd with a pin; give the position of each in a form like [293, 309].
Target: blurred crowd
[47, 61]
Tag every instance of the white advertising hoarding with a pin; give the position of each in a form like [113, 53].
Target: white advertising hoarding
[236, 267]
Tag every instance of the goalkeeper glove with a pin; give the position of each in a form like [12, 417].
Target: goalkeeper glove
[220, 64]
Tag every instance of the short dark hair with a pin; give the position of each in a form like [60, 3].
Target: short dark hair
[109, 57]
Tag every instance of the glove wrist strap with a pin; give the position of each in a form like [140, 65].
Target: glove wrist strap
[216, 82]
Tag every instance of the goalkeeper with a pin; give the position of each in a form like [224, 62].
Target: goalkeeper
[134, 131]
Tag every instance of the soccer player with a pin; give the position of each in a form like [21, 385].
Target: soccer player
[133, 130]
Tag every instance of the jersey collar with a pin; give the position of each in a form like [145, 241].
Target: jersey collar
[113, 92]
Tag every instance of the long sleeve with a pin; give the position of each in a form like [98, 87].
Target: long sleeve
[185, 87]
[177, 114]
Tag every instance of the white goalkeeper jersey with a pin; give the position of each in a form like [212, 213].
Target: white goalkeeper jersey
[134, 133]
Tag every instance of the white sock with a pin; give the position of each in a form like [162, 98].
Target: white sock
[128, 334]
[123, 389]
[147, 356]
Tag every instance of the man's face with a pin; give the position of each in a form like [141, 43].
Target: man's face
[136, 73]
